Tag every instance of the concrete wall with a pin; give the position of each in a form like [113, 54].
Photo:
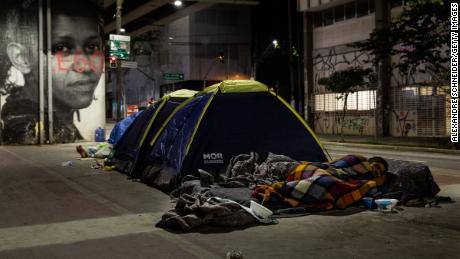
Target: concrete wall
[330, 123]
[315, 5]
[77, 105]
[343, 32]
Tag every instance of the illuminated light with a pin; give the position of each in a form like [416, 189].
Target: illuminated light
[171, 38]
[113, 61]
[275, 44]
[122, 30]
[221, 57]
[177, 3]
[240, 77]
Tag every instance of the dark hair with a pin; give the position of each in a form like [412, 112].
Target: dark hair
[377, 159]
[18, 23]
[86, 8]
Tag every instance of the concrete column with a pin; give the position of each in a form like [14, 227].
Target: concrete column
[308, 67]
[382, 111]
[120, 94]
[292, 83]
[300, 87]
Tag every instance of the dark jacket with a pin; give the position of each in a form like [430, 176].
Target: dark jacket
[20, 116]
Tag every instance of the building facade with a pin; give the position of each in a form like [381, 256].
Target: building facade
[205, 47]
[407, 107]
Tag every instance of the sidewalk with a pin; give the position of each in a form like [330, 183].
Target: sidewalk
[441, 145]
[51, 211]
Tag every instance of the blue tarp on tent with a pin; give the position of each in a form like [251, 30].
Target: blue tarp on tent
[120, 128]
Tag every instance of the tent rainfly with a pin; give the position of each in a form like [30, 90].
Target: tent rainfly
[127, 149]
[222, 121]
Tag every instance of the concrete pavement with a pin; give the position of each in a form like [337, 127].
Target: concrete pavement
[51, 211]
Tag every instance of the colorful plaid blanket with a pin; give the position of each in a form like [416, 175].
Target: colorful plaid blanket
[336, 184]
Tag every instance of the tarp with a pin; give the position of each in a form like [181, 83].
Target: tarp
[120, 128]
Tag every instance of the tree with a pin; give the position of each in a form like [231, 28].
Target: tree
[345, 82]
[420, 36]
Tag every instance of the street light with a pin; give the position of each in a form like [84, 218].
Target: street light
[177, 3]
[269, 50]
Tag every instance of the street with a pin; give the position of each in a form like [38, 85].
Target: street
[436, 161]
[51, 211]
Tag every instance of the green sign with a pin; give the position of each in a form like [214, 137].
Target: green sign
[173, 76]
[119, 46]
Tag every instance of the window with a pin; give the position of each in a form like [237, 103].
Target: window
[318, 19]
[319, 102]
[357, 101]
[409, 91]
[357, 8]
[339, 13]
[328, 16]
[330, 102]
[366, 100]
[426, 90]
[352, 101]
[350, 11]
[362, 8]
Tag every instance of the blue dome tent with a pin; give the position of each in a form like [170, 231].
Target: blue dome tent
[222, 121]
[132, 142]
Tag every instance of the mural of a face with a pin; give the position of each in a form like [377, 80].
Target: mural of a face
[77, 60]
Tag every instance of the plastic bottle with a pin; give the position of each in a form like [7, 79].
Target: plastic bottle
[67, 163]
[100, 135]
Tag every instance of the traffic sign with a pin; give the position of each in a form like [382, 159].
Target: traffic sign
[128, 64]
[119, 46]
[173, 76]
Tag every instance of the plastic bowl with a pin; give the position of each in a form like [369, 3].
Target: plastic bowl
[386, 205]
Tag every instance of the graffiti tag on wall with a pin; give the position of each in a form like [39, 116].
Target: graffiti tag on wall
[405, 124]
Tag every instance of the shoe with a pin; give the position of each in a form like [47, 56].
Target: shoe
[82, 151]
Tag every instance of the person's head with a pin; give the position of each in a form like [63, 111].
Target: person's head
[77, 56]
[19, 47]
[378, 165]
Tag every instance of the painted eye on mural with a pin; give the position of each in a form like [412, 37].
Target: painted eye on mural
[92, 48]
[62, 49]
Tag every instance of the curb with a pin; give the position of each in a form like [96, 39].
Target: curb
[392, 147]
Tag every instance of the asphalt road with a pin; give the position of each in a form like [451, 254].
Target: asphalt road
[434, 160]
